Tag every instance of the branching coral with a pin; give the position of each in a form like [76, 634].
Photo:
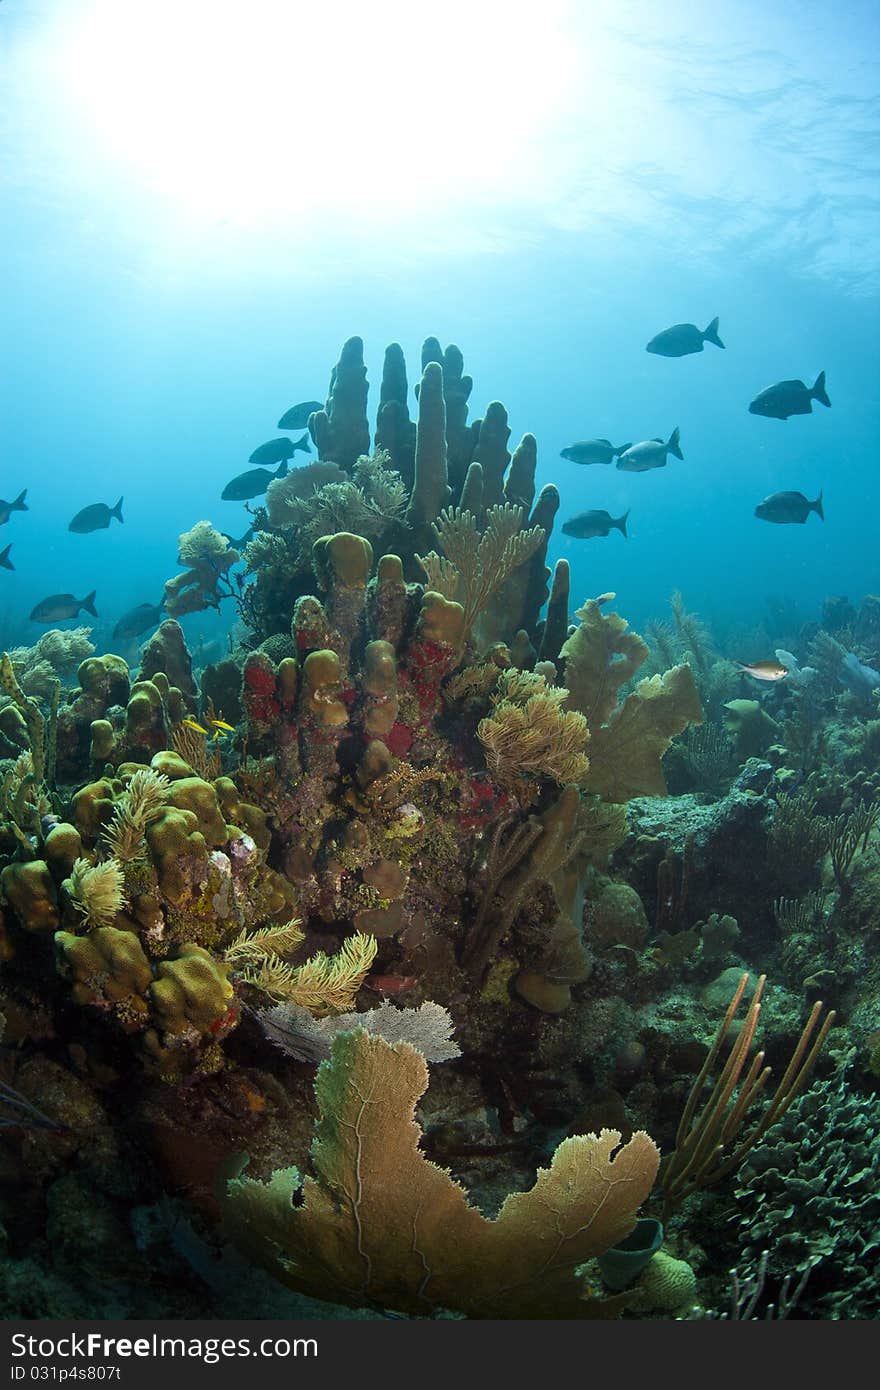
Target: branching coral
[208, 556]
[528, 734]
[710, 1143]
[477, 565]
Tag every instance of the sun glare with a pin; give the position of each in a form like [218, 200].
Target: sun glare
[259, 110]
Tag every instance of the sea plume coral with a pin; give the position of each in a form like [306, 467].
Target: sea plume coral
[141, 803]
[528, 734]
[97, 891]
[475, 566]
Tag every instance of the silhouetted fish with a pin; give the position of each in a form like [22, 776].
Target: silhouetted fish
[57, 607]
[592, 451]
[253, 483]
[651, 453]
[19, 505]
[277, 450]
[789, 507]
[590, 524]
[4, 558]
[241, 542]
[789, 398]
[297, 417]
[684, 338]
[97, 517]
[140, 619]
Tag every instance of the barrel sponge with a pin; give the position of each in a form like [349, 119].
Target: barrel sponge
[192, 991]
[173, 840]
[107, 966]
[196, 795]
[342, 560]
[30, 891]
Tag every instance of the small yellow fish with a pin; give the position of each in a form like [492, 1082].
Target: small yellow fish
[222, 726]
[192, 724]
[764, 670]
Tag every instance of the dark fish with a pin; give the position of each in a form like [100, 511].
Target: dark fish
[97, 517]
[684, 338]
[57, 607]
[651, 453]
[590, 524]
[5, 560]
[241, 542]
[140, 619]
[592, 451]
[786, 507]
[297, 417]
[789, 398]
[253, 483]
[277, 450]
[19, 505]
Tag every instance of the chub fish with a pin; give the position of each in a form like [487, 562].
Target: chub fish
[786, 398]
[57, 607]
[592, 451]
[786, 508]
[597, 523]
[97, 517]
[650, 453]
[682, 339]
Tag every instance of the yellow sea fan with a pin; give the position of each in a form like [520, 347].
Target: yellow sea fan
[323, 984]
[251, 948]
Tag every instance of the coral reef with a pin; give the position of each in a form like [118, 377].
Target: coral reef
[418, 811]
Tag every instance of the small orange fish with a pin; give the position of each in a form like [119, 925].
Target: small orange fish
[764, 670]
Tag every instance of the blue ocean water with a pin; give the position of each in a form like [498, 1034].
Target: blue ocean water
[200, 203]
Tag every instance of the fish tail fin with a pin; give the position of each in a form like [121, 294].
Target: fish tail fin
[4, 558]
[710, 334]
[673, 445]
[88, 603]
[623, 448]
[620, 523]
[19, 505]
[818, 392]
[817, 506]
[117, 510]
[282, 469]
[304, 443]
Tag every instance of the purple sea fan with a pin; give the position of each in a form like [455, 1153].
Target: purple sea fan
[427, 1028]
